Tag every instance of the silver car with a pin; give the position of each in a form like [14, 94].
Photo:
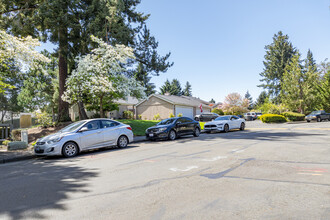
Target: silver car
[85, 135]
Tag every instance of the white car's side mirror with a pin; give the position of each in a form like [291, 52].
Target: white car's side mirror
[83, 129]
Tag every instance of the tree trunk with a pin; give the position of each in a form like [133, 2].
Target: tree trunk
[101, 107]
[82, 112]
[63, 107]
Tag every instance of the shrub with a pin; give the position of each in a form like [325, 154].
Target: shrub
[293, 116]
[157, 117]
[172, 116]
[180, 115]
[16, 135]
[218, 111]
[272, 118]
[5, 142]
[128, 115]
[140, 117]
[45, 120]
[96, 115]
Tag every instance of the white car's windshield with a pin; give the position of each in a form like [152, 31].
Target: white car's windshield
[316, 112]
[167, 121]
[222, 118]
[72, 126]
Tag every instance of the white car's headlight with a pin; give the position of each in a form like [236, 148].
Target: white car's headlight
[55, 140]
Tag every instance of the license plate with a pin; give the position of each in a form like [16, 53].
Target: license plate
[151, 135]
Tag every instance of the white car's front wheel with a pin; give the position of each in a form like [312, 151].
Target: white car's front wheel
[242, 127]
[122, 141]
[70, 149]
[226, 128]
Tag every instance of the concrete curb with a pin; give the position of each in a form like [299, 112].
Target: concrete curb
[18, 158]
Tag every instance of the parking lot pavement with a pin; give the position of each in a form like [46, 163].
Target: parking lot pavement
[265, 172]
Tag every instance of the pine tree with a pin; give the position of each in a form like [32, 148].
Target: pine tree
[176, 88]
[249, 97]
[212, 101]
[187, 90]
[262, 98]
[323, 88]
[278, 55]
[166, 88]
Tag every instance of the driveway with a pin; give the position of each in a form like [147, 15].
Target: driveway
[265, 172]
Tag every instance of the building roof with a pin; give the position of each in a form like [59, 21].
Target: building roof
[179, 100]
[129, 101]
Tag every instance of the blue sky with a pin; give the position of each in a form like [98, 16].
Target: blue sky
[218, 46]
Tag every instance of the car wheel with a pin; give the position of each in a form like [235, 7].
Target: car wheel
[172, 135]
[197, 132]
[70, 149]
[319, 120]
[196, 119]
[122, 141]
[226, 128]
[242, 127]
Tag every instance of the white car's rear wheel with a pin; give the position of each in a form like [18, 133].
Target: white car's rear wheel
[226, 128]
[122, 141]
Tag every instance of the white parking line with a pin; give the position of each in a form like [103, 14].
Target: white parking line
[215, 158]
[184, 170]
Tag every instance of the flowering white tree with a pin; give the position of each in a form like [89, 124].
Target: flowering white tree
[234, 103]
[21, 51]
[100, 74]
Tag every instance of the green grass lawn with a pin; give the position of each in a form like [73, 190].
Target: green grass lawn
[139, 126]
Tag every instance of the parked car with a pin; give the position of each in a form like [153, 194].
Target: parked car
[258, 114]
[85, 135]
[172, 128]
[206, 116]
[250, 116]
[225, 123]
[318, 116]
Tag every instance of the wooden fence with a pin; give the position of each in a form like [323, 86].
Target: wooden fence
[5, 130]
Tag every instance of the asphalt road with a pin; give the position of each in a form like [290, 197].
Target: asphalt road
[265, 172]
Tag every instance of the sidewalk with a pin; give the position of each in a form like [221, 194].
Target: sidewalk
[12, 156]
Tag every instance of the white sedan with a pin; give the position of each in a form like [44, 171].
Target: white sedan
[85, 135]
[225, 123]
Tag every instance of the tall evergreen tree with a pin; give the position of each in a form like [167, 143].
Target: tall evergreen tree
[323, 87]
[278, 55]
[187, 90]
[262, 98]
[176, 88]
[249, 97]
[212, 101]
[69, 24]
[166, 88]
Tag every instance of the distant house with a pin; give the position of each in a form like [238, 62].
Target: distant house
[217, 105]
[165, 105]
[124, 105]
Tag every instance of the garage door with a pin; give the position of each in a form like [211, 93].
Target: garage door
[185, 111]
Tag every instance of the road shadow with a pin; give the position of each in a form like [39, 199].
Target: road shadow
[248, 135]
[31, 187]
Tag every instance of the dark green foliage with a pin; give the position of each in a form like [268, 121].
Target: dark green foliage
[249, 97]
[278, 55]
[272, 118]
[323, 88]
[212, 101]
[293, 116]
[187, 90]
[128, 115]
[173, 88]
[262, 98]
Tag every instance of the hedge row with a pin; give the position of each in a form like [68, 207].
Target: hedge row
[292, 116]
[272, 118]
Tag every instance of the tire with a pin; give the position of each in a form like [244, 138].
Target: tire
[172, 135]
[242, 127]
[226, 128]
[318, 119]
[196, 119]
[70, 149]
[122, 141]
[308, 121]
[197, 132]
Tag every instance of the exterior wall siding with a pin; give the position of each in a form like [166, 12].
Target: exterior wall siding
[153, 106]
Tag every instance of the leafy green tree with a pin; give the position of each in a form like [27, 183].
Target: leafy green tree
[323, 87]
[187, 90]
[278, 55]
[69, 24]
[176, 88]
[298, 84]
